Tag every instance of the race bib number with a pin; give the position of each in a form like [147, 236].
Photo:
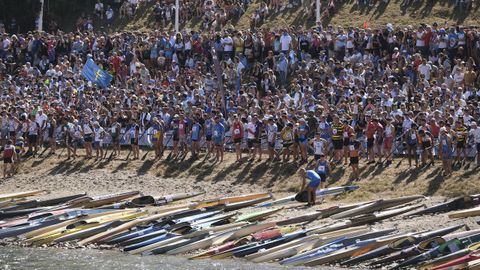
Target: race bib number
[215, 133]
[345, 134]
[334, 131]
[236, 131]
[352, 147]
[321, 168]
[444, 142]
[413, 136]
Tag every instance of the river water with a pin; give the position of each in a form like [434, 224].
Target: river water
[12, 257]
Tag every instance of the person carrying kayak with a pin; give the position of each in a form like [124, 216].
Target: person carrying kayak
[9, 156]
[311, 188]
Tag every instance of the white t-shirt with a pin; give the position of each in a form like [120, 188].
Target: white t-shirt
[285, 41]
[250, 130]
[98, 134]
[476, 134]
[426, 70]
[227, 44]
[40, 119]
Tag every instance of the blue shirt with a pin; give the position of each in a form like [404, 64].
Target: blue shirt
[196, 131]
[208, 127]
[218, 132]
[313, 176]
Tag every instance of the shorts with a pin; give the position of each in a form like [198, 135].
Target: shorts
[218, 144]
[478, 148]
[271, 144]
[97, 144]
[13, 134]
[208, 138]
[426, 145]
[251, 142]
[88, 138]
[287, 144]
[182, 138]
[370, 143]
[346, 141]
[115, 140]
[337, 144]
[303, 141]
[317, 157]
[8, 160]
[447, 154]
[354, 160]
[460, 144]
[32, 138]
[388, 143]
[134, 141]
[194, 140]
[314, 184]
[237, 140]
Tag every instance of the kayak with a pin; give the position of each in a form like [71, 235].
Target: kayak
[23, 194]
[270, 243]
[239, 205]
[227, 200]
[111, 233]
[466, 213]
[333, 246]
[81, 234]
[448, 247]
[452, 205]
[303, 244]
[42, 203]
[309, 217]
[376, 206]
[273, 233]
[162, 237]
[320, 193]
[250, 217]
[16, 231]
[400, 244]
[221, 248]
[182, 242]
[474, 248]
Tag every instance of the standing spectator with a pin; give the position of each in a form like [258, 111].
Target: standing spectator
[9, 157]
[218, 139]
[99, 11]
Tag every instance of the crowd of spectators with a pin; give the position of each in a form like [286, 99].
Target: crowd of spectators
[290, 94]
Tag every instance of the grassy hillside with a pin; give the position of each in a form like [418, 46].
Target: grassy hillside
[348, 13]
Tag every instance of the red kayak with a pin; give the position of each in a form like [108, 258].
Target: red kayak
[459, 263]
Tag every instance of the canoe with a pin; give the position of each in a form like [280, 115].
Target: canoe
[474, 248]
[227, 200]
[402, 243]
[320, 193]
[126, 226]
[23, 194]
[332, 246]
[466, 213]
[376, 206]
[444, 249]
[452, 205]
[310, 237]
[255, 216]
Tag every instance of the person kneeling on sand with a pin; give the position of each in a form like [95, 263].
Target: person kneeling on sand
[9, 156]
[315, 181]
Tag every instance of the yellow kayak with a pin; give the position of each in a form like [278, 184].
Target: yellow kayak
[473, 212]
[61, 231]
[83, 225]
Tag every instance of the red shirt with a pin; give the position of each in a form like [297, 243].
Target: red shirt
[237, 130]
[435, 129]
[371, 129]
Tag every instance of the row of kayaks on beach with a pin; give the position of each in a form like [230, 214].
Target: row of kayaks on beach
[255, 227]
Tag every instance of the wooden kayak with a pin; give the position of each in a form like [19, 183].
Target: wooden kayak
[23, 194]
[255, 216]
[466, 213]
[126, 226]
[227, 200]
[376, 206]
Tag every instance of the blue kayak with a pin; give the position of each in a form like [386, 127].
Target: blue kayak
[154, 240]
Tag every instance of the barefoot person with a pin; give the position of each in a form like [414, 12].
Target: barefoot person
[446, 151]
[9, 156]
[354, 149]
[237, 134]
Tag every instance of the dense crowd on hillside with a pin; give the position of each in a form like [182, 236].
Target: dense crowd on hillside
[293, 93]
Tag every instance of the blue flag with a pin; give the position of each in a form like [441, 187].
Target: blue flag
[95, 74]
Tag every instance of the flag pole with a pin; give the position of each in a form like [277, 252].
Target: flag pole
[177, 12]
[40, 17]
